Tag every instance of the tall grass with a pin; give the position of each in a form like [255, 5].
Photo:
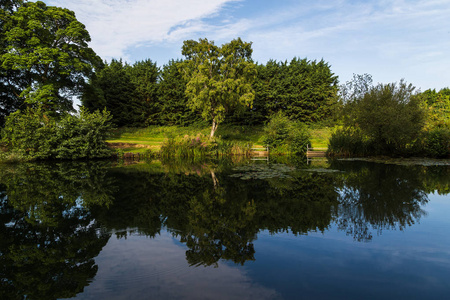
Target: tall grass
[202, 146]
[349, 142]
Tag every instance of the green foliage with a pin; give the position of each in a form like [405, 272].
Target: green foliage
[304, 90]
[349, 141]
[144, 76]
[219, 79]
[33, 134]
[44, 57]
[202, 146]
[172, 98]
[283, 135]
[114, 88]
[437, 142]
[437, 105]
[388, 115]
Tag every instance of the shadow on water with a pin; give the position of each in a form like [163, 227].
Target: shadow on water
[56, 218]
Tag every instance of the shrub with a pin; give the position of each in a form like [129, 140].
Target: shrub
[32, 134]
[437, 142]
[349, 142]
[83, 135]
[202, 146]
[388, 115]
[284, 135]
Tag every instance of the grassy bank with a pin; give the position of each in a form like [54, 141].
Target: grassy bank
[138, 140]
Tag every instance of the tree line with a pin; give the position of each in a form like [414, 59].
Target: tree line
[143, 94]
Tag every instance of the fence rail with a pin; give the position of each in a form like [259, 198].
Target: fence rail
[260, 153]
[316, 151]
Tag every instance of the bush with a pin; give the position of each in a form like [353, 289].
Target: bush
[437, 142]
[83, 135]
[283, 135]
[33, 134]
[388, 115]
[349, 142]
[202, 146]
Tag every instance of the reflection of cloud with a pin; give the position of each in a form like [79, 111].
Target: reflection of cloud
[139, 267]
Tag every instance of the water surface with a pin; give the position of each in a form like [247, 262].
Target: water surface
[224, 230]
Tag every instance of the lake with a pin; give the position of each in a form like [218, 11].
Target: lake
[286, 229]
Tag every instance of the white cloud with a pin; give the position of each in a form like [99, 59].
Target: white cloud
[390, 39]
[115, 25]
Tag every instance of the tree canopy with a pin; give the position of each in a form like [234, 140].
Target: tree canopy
[304, 90]
[219, 78]
[388, 114]
[128, 92]
[44, 56]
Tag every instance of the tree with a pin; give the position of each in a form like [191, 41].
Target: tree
[303, 90]
[112, 88]
[172, 97]
[219, 78]
[144, 75]
[128, 92]
[8, 91]
[388, 114]
[44, 57]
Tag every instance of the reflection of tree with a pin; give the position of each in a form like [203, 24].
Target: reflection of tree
[49, 235]
[379, 197]
[40, 189]
[436, 179]
[219, 228]
[218, 221]
[301, 204]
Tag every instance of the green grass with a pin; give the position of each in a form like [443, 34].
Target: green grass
[320, 137]
[153, 136]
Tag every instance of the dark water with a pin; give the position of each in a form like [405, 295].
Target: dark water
[218, 230]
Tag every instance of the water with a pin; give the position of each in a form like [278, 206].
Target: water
[223, 230]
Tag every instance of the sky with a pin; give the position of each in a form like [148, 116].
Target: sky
[389, 39]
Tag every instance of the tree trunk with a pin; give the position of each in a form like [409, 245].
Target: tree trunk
[214, 178]
[213, 128]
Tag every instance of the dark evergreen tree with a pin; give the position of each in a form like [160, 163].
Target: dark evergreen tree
[172, 97]
[304, 90]
[144, 76]
[112, 87]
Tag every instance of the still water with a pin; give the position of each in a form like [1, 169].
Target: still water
[224, 230]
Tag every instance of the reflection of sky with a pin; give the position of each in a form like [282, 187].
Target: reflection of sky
[142, 268]
[409, 264]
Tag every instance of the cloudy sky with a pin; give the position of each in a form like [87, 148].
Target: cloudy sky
[389, 39]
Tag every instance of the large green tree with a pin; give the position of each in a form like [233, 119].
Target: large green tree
[172, 97]
[44, 57]
[144, 76]
[129, 92]
[388, 114]
[304, 90]
[219, 78]
[112, 88]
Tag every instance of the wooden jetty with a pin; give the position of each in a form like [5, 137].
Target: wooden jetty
[316, 152]
[260, 153]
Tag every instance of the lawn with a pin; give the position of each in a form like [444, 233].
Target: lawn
[141, 139]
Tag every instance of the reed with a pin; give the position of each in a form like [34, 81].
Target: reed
[202, 146]
[349, 142]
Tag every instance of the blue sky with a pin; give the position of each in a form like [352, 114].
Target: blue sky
[389, 39]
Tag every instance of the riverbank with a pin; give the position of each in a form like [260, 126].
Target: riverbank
[140, 140]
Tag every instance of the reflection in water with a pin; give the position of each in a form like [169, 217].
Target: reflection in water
[49, 237]
[57, 218]
[379, 197]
